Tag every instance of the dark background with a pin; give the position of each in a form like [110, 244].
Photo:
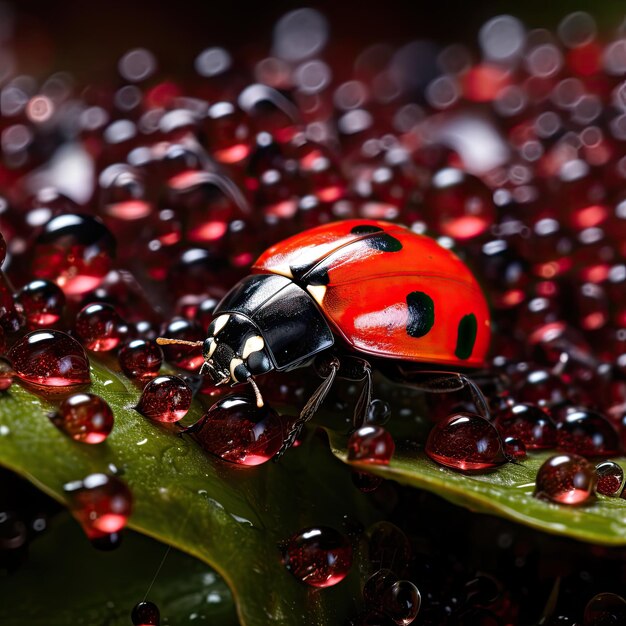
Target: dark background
[87, 37]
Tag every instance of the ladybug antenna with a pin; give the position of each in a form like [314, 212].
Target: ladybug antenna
[257, 392]
[164, 341]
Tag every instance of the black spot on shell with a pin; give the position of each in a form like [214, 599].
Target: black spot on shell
[384, 243]
[421, 314]
[466, 336]
[366, 229]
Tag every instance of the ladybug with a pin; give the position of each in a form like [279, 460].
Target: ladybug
[354, 292]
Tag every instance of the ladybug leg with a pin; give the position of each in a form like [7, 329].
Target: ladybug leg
[310, 408]
[365, 399]
[357, 369]
[445, 382]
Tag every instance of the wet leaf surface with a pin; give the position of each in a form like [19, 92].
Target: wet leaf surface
[506, 492]
[231, 518]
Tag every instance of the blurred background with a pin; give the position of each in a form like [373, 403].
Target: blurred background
[88, 38]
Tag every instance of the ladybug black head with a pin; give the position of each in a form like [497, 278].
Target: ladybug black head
[234, 350]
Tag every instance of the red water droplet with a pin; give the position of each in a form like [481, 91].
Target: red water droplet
[98, 327]
[165, 399]
[228, 132]
[605, 609]
[50, 358]
[587, 433]
[85, 417]
[185, 357]
[566, 479]
[319, 556]
[529, 424]
[401, 602]
[465, 441]
[610, 478]
[145, 614]
[141, 359]
[542, 388]
[75, 251]
[514, 448]
[122, 193]
[459, 204]
[371, 444]
[41, 302]
[236, 430]
[101, 503]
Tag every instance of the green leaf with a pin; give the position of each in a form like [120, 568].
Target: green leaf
[507, 492]
[230, 517]
[90, 587]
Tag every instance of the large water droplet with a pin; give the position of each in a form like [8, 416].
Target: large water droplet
[50, 358]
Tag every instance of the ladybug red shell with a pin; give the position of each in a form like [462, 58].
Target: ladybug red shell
[348, 290]
[387, 291]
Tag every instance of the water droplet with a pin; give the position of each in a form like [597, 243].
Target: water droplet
[185, 357]
[50, 358]
[236, 430]
[514, 448]
[165, 399]
[588, 433]
[465, 441]
[41, 302]
[605, 609]
[101, 503]
[84, 417]
[141, 359]
[319, 556]
[566, 479]
[378, 412]
[610, 478]
[98, 327]
[459, 204]
[401, 602]
[371, 444]
[74, 251]
[145, 614]
[529, 424]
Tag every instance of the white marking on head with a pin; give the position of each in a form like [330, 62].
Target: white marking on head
[233, 364]
[253, 344]
[212, 347]
[318, 292]
[219, 323]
